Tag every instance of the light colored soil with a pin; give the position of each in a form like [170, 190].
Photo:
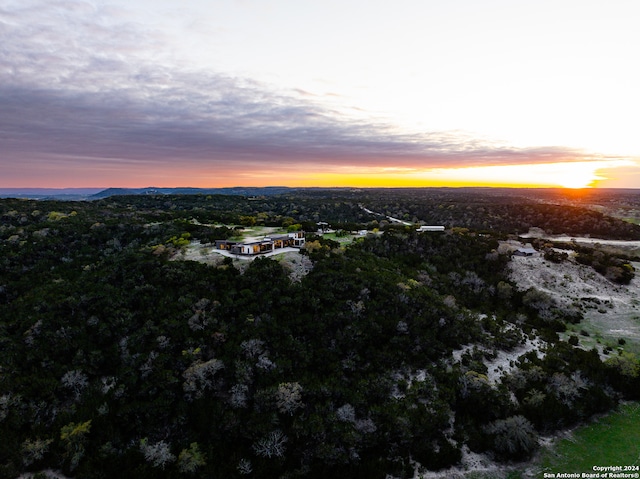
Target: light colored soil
[611, 311]
[567, 283]
[295, 263]
[504, 362]
[630, 247]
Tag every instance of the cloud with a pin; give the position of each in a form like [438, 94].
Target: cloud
[81, 85]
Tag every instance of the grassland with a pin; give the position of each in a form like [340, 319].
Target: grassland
[613, 440]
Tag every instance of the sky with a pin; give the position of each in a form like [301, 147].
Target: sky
[212, 93]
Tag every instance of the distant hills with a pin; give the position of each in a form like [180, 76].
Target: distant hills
[49, 193]
[235, 190]
[99, 193]
[598, 196]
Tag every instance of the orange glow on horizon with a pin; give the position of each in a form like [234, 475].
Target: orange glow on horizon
[579, 174]
[585, 174]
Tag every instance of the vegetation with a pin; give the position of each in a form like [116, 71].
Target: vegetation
[118, 361]
[612, 440]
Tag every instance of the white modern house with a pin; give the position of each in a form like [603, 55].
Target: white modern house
[424, 228]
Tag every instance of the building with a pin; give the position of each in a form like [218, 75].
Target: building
[266, 245]
[430, 228]
[527, 250]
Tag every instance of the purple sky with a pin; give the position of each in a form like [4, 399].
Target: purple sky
[90, 96]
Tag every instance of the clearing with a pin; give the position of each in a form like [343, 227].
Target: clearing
[611, 311]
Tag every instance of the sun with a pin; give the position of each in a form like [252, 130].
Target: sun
[578, 179]
[577, 175]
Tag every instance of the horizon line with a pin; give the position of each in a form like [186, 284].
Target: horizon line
[104, 188]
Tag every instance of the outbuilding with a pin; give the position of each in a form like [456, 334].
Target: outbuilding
[429, 228]
[525, 251]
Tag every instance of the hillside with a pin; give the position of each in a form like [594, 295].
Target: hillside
[611, 311]
[130, 349]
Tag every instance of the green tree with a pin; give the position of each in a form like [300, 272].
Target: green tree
[74, 437]
[248, 220]
[34, 451]
[189, 460]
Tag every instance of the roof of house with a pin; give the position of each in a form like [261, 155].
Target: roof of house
[526, 250]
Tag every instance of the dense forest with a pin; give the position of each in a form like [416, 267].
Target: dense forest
[118, 360]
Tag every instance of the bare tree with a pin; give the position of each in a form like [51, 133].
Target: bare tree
[158, 454]
[272, 445]
[76, 381]
[244, 467]
[346, 413]
[289, 397]
[200, 376]
[239, 397]
[252, 348]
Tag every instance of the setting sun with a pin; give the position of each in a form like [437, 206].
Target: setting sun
[582, 174]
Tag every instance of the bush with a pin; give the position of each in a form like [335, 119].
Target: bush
[513, 438]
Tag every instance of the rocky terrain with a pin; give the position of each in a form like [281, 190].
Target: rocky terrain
[611, 311]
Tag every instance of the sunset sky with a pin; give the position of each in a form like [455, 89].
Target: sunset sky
[210, 93]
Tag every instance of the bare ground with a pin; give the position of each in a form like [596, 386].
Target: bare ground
[611, 311]
[616, 315]
[296, 264]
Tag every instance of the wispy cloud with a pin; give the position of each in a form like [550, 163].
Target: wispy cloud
[79, 85]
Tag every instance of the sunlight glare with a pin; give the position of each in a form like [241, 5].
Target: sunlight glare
[579, 174]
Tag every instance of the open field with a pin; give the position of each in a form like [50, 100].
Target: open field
[612, 440]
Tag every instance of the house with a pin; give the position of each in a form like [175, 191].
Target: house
[322, 227]
[225, 244]
[527, 250]
[430, 228]
[266, 245]
[297, 239]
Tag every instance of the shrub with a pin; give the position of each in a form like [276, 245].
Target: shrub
[513, 437]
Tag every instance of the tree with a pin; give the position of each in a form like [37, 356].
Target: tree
[33, 451]
[513, 437]
[626, 364]
[346, 413]
[244, 467]
[189, 460]
[200, 376]
[540, 301]
[76, 381]
[158, 454]
[272, 445]
[289, 397]
[625, 373]
[74, 436]
[247, 220]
